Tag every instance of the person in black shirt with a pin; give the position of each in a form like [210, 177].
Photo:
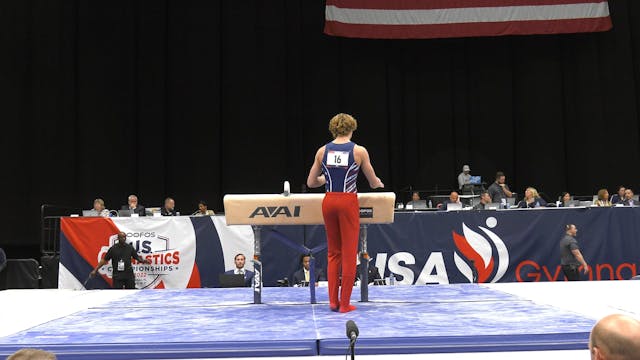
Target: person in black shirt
[570, 256]
[169, 208]
[120, 255]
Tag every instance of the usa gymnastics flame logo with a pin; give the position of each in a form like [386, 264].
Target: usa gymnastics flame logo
[478, 251]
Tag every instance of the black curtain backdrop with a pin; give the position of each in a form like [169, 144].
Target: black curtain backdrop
[197, 99]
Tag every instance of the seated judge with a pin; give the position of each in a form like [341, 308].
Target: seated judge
[454, 198]
[133, 206]
[99, 208]
[485, 199]
[415, 197]
[169, 208]
[531, 199]
[302, 276]
[564, 198]
[603, 198]
[618, 198]
[239, 261]
[372, 271]
[628, 198]
[203, 210]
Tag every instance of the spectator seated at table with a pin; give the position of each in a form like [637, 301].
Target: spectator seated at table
[628, 198]
[603, 198]
[618, 198]
[133, 206]
[203, 210]
[454, 198]
[373, 275]
[531, 199]
[302, 276]
[485, 199]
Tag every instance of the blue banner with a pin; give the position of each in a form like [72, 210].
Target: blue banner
[491, 245]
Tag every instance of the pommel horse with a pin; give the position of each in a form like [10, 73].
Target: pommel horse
[303, 209]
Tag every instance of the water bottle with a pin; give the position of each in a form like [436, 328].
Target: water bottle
[504, 203]
[430, 204]
[392, 279]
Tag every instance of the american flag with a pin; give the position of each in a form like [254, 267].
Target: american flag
[426, 19]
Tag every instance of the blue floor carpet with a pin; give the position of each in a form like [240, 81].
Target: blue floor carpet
[196, 323]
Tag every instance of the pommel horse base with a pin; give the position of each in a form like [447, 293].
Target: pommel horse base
[303, 209]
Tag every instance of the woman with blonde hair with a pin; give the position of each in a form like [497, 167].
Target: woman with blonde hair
[336, 166]
[531, 199]
[603, 198]
[99, 208]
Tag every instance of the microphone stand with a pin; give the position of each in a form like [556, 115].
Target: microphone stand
[352, 348]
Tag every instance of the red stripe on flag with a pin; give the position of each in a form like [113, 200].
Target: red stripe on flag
[467, 29]
[447, 4]
[194, 280]
[88, 235]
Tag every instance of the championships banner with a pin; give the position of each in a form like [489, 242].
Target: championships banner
[184, 252]
[419, 247]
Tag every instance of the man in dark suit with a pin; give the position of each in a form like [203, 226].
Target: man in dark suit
[372, 272]
[302, 276]
[248, 274]
[628, 198]
[169, 208]
[133, 206]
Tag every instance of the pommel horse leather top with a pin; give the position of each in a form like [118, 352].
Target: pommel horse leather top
[301, 209]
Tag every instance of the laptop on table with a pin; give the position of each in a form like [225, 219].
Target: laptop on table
[90, 213]
[418, 204]
[231, 280]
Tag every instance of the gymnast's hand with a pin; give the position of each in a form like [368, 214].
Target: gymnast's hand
[377, 184]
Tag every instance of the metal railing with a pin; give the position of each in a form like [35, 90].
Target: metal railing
[50, 227]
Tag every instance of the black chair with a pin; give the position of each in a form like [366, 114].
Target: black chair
[20, 274]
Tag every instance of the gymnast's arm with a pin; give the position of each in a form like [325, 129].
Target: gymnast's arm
[316, 178]
[367, 168]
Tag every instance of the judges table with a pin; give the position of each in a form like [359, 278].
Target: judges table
[419, 247]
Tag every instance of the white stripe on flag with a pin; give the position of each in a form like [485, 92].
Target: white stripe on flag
[467, 15]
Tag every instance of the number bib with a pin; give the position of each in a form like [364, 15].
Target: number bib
[338, 158]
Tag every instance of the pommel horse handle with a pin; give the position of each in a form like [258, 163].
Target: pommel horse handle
[302, 209]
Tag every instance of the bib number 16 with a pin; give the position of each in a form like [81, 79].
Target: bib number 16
[338, 158]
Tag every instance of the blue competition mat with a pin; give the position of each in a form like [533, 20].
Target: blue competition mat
[195, 323]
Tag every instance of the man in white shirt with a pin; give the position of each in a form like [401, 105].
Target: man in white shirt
[464, 177]
[239, 260]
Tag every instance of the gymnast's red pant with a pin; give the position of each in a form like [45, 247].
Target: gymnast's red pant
[341, 214]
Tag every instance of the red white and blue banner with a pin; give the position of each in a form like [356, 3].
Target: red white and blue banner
[184, 252]
[427, 19]
[419, 247]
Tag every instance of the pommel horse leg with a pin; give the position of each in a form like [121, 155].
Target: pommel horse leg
[364, 265]
[257, 266]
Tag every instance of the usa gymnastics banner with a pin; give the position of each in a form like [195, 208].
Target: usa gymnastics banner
[184, 251]
[419, 247]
